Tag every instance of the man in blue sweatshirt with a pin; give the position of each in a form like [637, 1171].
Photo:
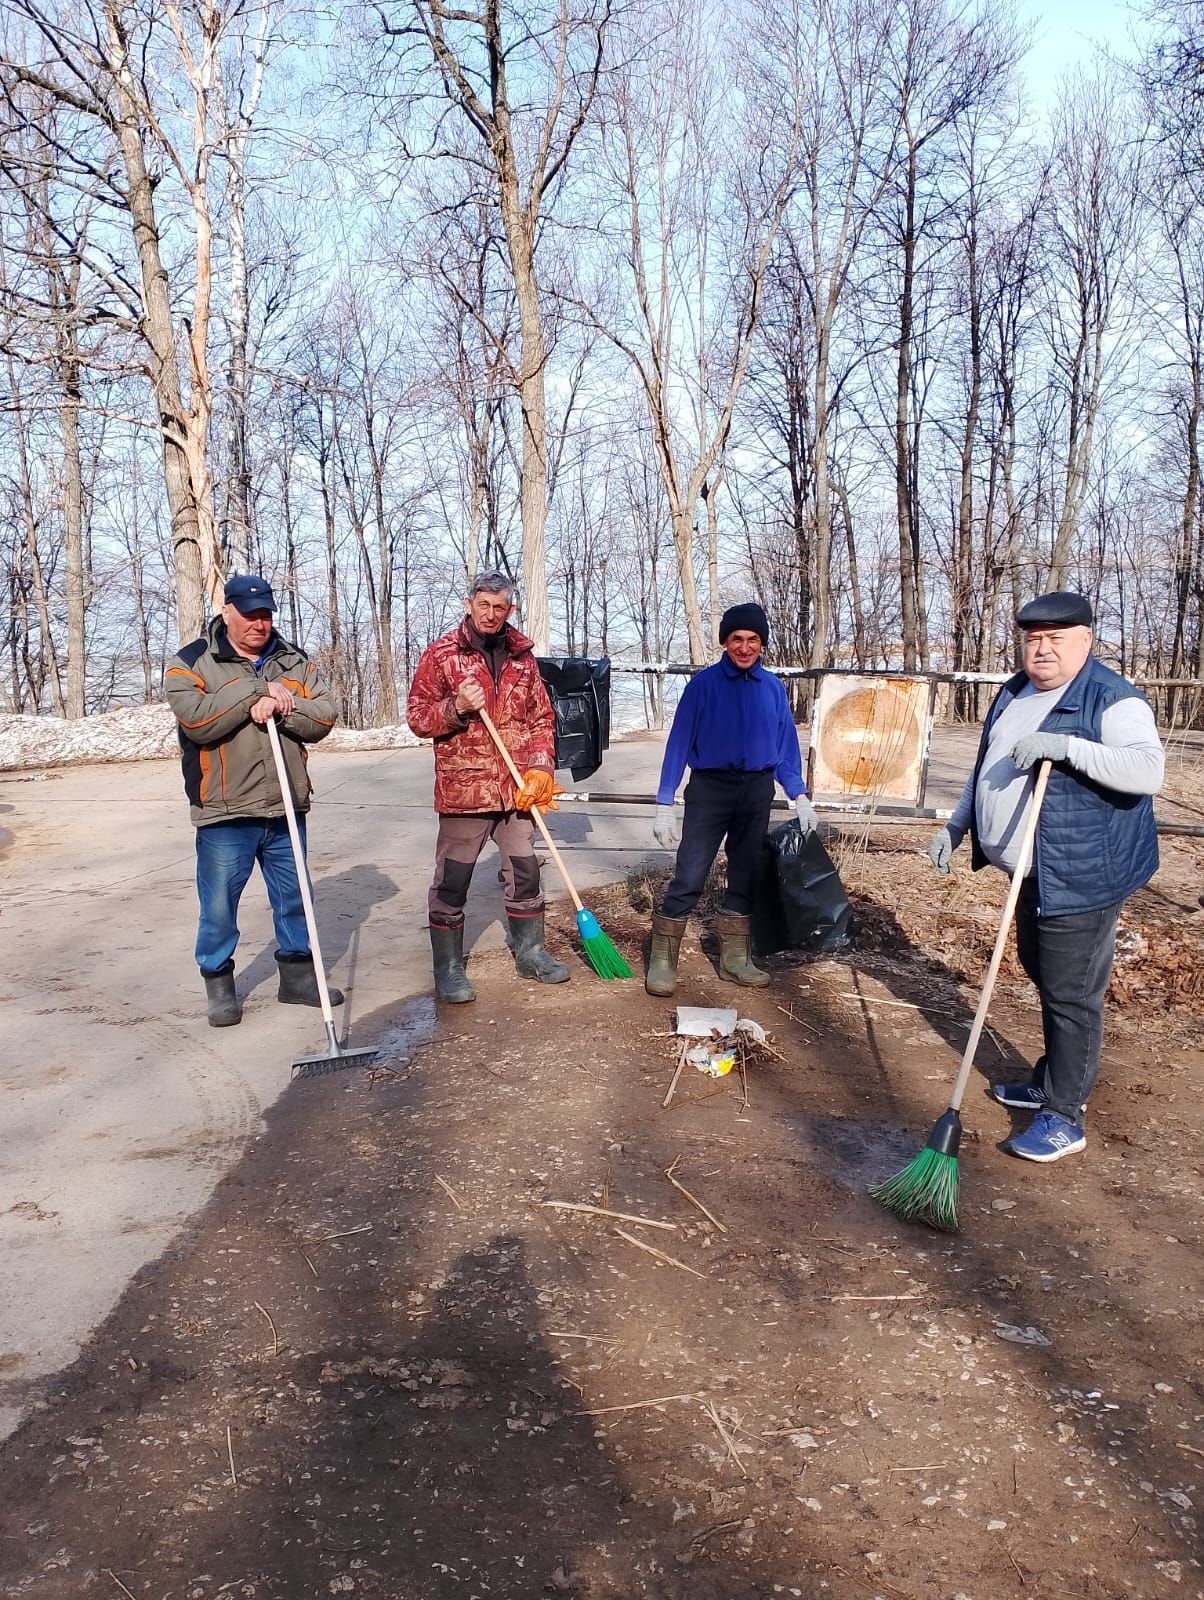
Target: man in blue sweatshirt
[734, 731]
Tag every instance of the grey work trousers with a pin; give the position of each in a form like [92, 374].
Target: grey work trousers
[462, 837]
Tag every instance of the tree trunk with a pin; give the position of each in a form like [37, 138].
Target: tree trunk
[903, 502]
[191, 518]
[533, 406]
[239, 542]
[73, 535]
[48, 667]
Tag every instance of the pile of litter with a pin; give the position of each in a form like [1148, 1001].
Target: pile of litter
[715, 1041]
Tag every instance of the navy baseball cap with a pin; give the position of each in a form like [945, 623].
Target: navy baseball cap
[250, 593]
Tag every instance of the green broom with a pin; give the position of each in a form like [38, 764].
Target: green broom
[600, 952]
[927, 1188]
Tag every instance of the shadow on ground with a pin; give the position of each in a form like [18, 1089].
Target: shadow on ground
[383, 1364]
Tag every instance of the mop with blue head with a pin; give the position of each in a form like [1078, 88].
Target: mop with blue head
[927, 1189]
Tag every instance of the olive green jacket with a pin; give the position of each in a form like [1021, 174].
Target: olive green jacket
[227, 758]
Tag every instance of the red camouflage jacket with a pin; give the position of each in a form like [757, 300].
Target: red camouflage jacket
[470, 774]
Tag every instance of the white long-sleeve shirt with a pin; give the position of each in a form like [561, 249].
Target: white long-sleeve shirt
[1127, 757]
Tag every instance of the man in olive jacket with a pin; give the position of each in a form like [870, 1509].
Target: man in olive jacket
[223, 688]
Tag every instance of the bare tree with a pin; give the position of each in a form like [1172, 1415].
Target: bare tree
[1095, 189]
[945, 60]
[704, 187]
[524, 84]
[114, 67]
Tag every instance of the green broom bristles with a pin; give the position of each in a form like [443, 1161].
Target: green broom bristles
[599, 951]
[925, 1191]
[927, 1188]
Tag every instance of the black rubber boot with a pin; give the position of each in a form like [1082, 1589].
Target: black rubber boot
[299, 982]
[667, 934]
[451, 980]
[224, 1009]
[530, 957]
[735, 951]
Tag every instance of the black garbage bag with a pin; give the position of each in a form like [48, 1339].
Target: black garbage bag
[579, 690]
[800, 902]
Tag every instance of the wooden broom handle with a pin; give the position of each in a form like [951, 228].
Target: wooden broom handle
[1001, 938]
[535, 811]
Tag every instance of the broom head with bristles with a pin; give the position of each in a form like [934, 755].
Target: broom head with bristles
[927, 1188]
[600, 952]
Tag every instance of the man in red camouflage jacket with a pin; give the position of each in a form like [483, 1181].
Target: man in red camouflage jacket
[485, 663]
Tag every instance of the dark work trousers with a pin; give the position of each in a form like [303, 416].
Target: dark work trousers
[461, 839]
[1070, 961]
[718, 803]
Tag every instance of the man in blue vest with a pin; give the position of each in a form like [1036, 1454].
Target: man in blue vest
[1095, 845]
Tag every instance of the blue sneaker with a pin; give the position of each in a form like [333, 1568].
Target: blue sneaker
[1047, 1138]
[1022, 1096]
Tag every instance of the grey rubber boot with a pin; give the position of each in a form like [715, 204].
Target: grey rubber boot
[447, 951]
[299, 984]
[735, 951]
[661, 978]
[223, 1007]
[530, 957]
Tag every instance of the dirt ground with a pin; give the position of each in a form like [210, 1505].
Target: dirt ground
[380, 1364]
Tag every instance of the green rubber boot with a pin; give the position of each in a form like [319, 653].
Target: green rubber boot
[451, 980]
[735, 951]
[530, 957]
[661, 978]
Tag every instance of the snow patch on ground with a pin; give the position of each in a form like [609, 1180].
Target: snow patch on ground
[148, 733]
[137, 733]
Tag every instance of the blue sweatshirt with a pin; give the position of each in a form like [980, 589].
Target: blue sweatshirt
[732, 721]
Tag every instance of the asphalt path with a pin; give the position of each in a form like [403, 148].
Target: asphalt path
[122, 1108]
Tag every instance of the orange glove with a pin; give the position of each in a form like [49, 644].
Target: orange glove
[540, 789]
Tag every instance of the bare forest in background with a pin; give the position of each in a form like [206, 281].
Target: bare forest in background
[655, 307]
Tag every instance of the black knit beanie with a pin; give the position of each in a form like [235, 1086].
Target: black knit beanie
[748, 618]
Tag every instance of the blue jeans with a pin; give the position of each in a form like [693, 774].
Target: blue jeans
[719, 804]
[1070, 961]
[226, 853]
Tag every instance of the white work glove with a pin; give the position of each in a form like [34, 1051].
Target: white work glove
[808, 820]
[665, 829]
[942, 845]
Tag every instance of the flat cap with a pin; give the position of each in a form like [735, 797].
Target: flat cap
[1062, 609]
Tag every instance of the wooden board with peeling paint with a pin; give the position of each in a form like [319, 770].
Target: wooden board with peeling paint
[869, 738]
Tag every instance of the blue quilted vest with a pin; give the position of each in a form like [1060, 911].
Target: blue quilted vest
[1094, 846]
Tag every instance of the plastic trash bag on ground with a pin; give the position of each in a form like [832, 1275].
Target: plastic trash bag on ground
[800, 903]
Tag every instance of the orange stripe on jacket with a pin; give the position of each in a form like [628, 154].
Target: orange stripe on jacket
[206, 763]
[215, 718]
[182, 672]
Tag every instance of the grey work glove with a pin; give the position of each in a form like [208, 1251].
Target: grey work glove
[665, 829]
[1036, 747]
[942, 845]
[808, 820]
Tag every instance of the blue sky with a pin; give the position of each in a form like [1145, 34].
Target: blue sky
[1066, 33]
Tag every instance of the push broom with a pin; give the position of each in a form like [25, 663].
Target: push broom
[927, 1188]
[336, 1058]
[600, 952]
